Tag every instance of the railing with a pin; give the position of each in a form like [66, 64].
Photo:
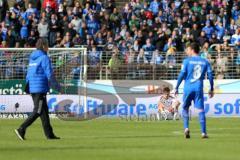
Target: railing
[165, 66]
[101, 65]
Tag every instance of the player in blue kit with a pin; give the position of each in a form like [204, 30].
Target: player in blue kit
[193, 72]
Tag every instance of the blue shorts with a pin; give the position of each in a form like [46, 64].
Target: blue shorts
[196, 97]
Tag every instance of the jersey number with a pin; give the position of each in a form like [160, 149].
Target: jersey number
[197, 71]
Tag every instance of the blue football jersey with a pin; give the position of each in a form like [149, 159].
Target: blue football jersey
[193, 72]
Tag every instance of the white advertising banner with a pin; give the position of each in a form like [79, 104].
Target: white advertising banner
[220, 105]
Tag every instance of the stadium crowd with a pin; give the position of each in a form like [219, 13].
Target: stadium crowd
[141, 32]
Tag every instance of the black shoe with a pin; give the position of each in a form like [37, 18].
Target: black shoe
[187, 134]
[20, 133]
[53, 138]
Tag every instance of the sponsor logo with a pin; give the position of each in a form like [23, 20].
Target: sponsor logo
[2, 107]
[227, 108]
[13, 115]
[94, 108]
[14, 90]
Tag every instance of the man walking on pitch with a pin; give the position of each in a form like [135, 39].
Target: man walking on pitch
[39, 78]
[193, 72]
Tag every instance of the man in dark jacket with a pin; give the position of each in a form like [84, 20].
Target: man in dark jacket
[3, 9]
[39, 78]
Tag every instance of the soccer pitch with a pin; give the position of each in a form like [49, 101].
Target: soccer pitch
[113, 139]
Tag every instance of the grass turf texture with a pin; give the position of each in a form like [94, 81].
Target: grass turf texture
[104, 139]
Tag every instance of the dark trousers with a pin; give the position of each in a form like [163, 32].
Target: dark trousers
[40, 109]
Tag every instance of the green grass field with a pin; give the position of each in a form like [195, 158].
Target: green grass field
[104, 139]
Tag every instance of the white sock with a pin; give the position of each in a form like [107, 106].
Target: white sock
[158, 116]
[175, 116]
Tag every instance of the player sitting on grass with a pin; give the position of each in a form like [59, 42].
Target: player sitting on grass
[168, 106]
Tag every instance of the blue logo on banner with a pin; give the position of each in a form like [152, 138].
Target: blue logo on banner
[2, 107]
[227, 108]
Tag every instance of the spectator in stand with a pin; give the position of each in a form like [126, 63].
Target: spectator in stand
[32, 39]
[235, 40]
[77, 40]
[148, 49]
[24, 32]
[43, 28]
[134, 22]
[171, 57]
[161, 38]
[235, 12]
[157, 58]
[238, 21]
[220, 66]
[123, 48]
[220, 30]
[136, 46]
[222, 17]
[232, 28]
[195, 32]
[4, 31]
[66, 42]
[213, 39]
[169, 44]
[70, 30]
[76, 22]
[187, 37]
[94, 63]
[154, 7]
[77, 9]
[208, 29]
[141, 58]
[31, 10]
[99, 39]
[114, 65]
[204, 52]
[225, 46]
[58, 40]
[11, 39]
[92, 25]
[53, 29]
[131, 59]
[115, 20]
[196, 7]
[49, 3]
[7, 19]
[3, 9]
[142, 64]
[159, 70]
[202, 39]
[171, 62]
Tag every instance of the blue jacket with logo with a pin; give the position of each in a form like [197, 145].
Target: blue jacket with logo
[39, 72]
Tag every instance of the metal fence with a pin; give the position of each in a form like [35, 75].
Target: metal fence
[157, 65]
[128, 65]
[67, 63]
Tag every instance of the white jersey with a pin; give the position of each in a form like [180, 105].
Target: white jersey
[166, 103]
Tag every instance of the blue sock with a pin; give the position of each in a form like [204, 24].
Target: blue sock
[185, 115]
[202, 121]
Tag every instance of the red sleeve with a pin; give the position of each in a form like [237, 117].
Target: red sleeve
[54, 5]
[44, 4]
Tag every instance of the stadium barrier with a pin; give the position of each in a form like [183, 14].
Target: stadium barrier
[124, 99]
[127, 65]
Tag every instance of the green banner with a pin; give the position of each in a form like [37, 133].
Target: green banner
[16, 87]
[12, 87]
